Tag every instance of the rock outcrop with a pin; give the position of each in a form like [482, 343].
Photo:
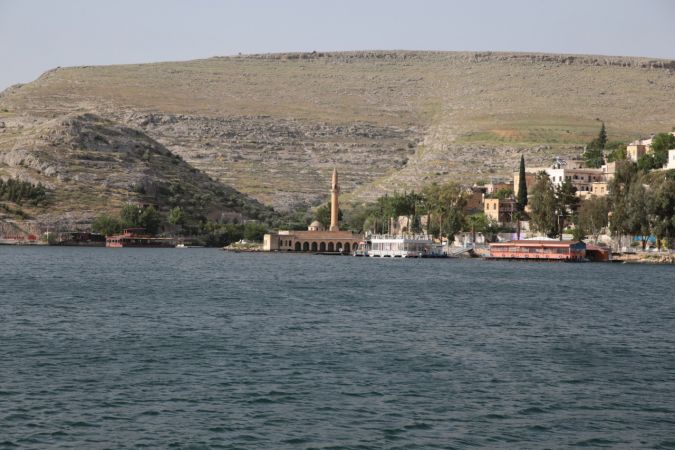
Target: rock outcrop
[92, 165]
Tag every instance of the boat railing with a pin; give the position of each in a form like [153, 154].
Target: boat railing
[412, 237]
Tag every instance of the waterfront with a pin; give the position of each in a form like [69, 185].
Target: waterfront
[202, 348]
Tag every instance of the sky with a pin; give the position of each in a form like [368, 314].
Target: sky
[38, 35]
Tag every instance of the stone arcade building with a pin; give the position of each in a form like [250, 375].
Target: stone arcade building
[316, 239]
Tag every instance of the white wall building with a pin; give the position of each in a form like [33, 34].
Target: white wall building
[671, 159]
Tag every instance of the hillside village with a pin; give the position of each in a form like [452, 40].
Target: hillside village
[569, 199]
[223, 149]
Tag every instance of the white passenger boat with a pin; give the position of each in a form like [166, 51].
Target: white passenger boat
[403, 246]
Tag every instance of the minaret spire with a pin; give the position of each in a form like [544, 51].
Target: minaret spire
[334, 207]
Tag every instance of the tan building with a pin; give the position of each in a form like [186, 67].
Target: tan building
[635, 150]
[311, 241]
[599, 189]
[316, 239]
[500, 210]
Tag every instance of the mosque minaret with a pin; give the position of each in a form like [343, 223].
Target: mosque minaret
[334, 207]
[316, 239]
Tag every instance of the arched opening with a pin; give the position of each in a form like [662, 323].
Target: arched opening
[314, 247]
[331, 247]
[305, 247]
[297, 247]
[347, 248]
[322, 247]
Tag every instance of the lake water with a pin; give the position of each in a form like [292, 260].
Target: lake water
[198, 348]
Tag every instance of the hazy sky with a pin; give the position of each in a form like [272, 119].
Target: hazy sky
[39, 35]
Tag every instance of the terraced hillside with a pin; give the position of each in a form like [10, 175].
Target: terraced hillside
[273, 126]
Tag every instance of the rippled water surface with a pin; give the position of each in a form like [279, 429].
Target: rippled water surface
[198, 348]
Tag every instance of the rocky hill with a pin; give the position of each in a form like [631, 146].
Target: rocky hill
[273, 126]
[91, 165]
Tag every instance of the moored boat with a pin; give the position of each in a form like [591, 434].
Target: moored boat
[404, 246]
[547, 250]
[137, 237]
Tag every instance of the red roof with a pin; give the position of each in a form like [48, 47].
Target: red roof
[535, 243]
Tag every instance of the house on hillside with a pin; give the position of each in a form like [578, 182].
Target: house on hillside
[636, 149]
[586, 180]
[502, 211]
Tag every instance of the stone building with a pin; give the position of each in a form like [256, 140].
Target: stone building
[500, 210]
[316, 239]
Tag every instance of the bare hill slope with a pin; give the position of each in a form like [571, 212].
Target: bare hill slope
[91, 165]
[273, 126]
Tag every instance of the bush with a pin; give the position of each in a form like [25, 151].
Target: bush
[254, 232]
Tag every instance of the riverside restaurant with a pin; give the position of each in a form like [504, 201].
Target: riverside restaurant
[549, 250]
[137, 237]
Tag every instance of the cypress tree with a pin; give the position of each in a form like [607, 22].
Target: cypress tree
[522, 185]
[602, 137]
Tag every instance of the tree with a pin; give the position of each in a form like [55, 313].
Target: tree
[131, 215]
[504, 193]
[322, 214]
[544, 206]
[522, 185]
[661, 208]
[618, 151]
[176, 216]
[637, 217]
[626, 172]
[480, 223]
[254, 231]
[646, 163]
[521, 199]
[150, 220]
[567, 203]
[594, 154]
[661, 143]
[445, 208]
[594, 215]
[602, 136]
[106, 225]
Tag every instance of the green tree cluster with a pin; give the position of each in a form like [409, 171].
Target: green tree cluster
[661, 143]
[441, 204]
[222, 234]
[642, 204]
[131, 216]
[593, 216]
[480, 223]
[17, 191]
[445, 208]
[552, 206]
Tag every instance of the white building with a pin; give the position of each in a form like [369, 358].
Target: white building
[575, 171]
[671, 159]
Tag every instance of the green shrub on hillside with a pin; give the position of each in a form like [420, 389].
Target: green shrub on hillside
[19, 192]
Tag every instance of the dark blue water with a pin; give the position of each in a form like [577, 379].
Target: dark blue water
[204, 349]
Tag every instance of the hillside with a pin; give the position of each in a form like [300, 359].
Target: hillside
[273, 126]
[91, 165]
